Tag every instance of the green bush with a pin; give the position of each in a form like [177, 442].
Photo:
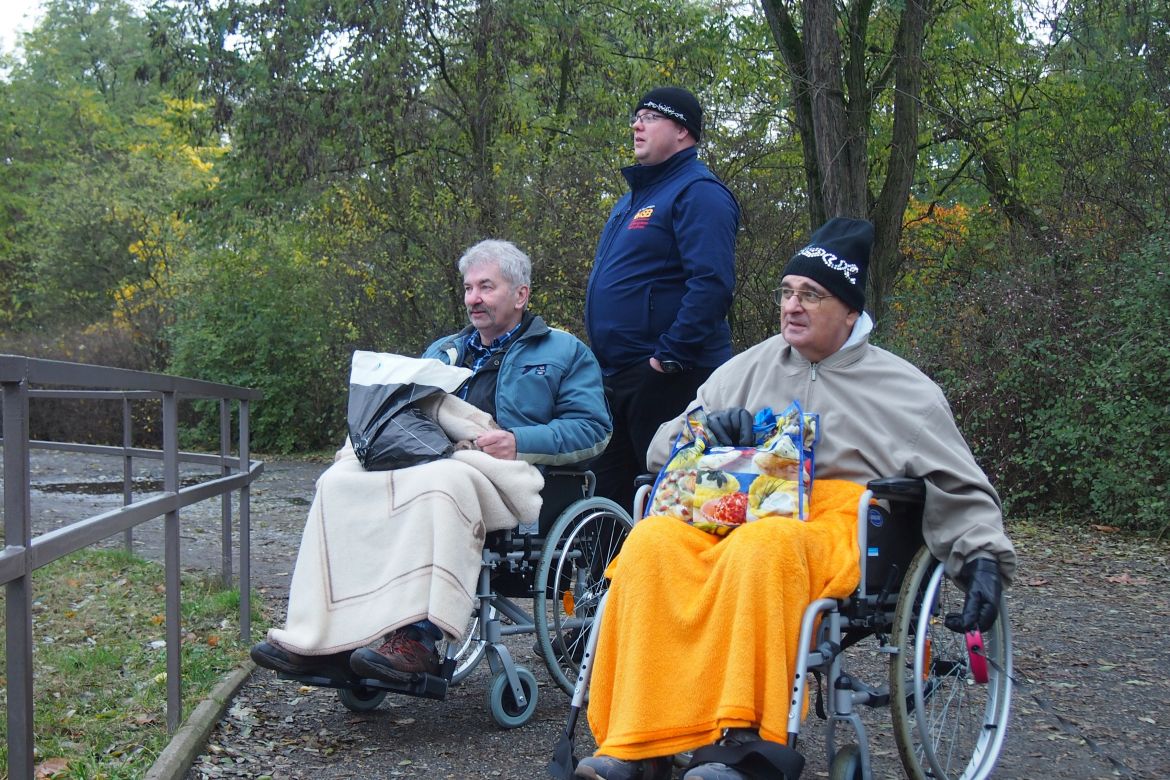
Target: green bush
[1056, 367]
[264, 317]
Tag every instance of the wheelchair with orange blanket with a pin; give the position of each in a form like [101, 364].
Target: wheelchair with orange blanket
[949, 694]
[558, 561]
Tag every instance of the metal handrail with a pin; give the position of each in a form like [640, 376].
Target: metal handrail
[22, 379]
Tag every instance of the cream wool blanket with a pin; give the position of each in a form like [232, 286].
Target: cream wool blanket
[384, 549]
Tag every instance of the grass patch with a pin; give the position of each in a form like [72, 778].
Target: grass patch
[100, 663]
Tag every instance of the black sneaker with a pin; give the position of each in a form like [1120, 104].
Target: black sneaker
[333, 667]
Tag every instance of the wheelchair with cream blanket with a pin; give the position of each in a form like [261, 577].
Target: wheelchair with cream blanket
[949, 694]
[558, 561]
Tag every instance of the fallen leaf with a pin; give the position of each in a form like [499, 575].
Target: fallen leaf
[1126, 579]
[1036, 582]
[50, 767]
[1105, 529]
[213, 640]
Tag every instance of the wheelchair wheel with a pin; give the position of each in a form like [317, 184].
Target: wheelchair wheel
[571, 581]
[360, 699]
[946, 725]
[502, 702]
[470, 651]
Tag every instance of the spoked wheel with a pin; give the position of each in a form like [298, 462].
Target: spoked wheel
[571, 581]
[947, 725]
[471, 649]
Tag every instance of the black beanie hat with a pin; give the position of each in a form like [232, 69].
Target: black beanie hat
[837, 258]
[676, 103]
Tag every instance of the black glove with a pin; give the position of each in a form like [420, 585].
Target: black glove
[984, 586]
[731, 427]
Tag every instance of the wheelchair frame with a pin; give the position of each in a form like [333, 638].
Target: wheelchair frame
[946, 725]
[575, 537]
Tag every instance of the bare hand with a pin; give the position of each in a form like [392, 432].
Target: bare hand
[498, 444]
[656, 364]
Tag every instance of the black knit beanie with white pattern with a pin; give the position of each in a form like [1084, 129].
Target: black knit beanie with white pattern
[837, 258]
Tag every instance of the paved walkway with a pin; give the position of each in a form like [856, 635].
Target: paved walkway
[1086, 609]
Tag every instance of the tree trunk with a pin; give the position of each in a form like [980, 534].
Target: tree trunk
[833, 103]
[886, 261]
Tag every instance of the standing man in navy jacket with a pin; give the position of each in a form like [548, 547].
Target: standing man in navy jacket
[662, 281]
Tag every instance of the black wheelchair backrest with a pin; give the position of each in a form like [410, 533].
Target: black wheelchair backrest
[893, 534]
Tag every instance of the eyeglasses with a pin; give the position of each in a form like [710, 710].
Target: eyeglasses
[646, 118]
[808, 298]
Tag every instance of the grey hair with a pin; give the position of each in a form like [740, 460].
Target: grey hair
[515, 266]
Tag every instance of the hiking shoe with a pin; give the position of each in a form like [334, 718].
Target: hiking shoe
[334, 666]
[610, 768]
[714, 771]
[398, 659]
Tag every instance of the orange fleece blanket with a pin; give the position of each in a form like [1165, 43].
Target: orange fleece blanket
[700, 633]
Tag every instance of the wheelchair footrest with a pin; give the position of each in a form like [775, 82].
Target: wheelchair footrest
[424, 685]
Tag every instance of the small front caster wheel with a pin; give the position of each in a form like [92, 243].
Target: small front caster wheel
[502, 702]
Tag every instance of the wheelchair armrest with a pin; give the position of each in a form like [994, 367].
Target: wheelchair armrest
[569, 470]
[644, 479]
[908, 489]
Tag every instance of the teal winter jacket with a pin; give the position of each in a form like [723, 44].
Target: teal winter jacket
[548, 394]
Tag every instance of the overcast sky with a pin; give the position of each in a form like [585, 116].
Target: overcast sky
[16, 15]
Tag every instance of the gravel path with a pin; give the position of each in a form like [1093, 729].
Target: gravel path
[1086, 609]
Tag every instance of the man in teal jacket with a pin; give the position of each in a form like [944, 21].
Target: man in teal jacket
[543, 387]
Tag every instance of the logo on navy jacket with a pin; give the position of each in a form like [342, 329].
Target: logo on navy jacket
[641, 219]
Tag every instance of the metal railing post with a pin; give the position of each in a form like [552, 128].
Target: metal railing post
[171, 557]
[245, 529]
[225, 511]
[127, 470]
[23, 380]
[18, 592]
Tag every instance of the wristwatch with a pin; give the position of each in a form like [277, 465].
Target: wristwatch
[670, 366]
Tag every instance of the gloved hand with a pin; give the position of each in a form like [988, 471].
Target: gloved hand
[731, 427]
[984, 586]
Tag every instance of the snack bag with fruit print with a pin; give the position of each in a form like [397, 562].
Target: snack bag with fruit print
[718, 489]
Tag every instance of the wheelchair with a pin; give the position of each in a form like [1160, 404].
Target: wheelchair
[558, 561]
[949, 694]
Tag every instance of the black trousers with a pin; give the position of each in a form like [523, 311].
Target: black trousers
[641, 399]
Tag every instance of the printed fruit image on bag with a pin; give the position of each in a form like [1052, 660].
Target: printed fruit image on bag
[718, 489]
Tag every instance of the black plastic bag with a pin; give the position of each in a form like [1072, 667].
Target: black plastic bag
[389, 431]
